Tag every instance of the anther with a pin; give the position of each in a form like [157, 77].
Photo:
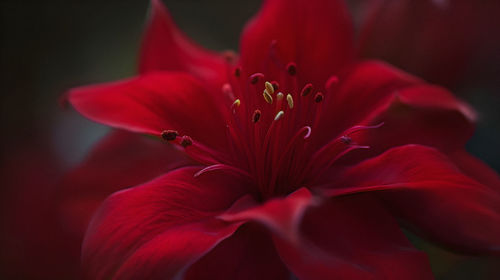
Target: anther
[346, 139]
[291, 68]
[186, 141]
[256, 116]
[236, 103]
[254, 78]
[269, 87]
[237, 72]
[289, 99]
[279, 96]
[318, 97]
[306, 90]
[267, 97]
[169, 135]
[275, 84]
[279, 115]
[331, 82]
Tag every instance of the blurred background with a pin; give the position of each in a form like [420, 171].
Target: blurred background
[48, 47]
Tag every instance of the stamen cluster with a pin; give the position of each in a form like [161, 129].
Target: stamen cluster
[269, 127]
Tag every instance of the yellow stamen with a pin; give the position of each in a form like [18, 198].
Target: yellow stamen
[269, 87]
[267, 97]
[289, 99]
[279, 115]
[236, 103]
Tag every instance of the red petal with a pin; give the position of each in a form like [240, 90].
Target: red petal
[431, 195]
[425, 115]
[169, 253]
[157, 230]
[362, 90]
[375, 241]
[410, 35]
[165, 47]
[152, 103]
[476, 169]
[280, 215]
[248, 254]
[316, 35]
[352, 238]
[412, 112]
[119, 161]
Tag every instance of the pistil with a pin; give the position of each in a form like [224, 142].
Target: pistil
[268, 131]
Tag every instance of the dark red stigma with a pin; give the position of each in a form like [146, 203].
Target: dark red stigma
[186, 141]
[256, 116]
[237, 71]
[291, 68]
[169, 135]
[319, 97]
[306, 90]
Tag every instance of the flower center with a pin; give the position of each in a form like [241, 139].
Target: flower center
[270, 124]
[269, 127]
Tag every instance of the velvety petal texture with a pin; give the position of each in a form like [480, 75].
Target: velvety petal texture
[431, 196]
[152, 103]
[423, 114]
[316, 35]
[352, 238]
[410, 34]
[320, 239]
[156, 230]
[249, 254]
[476, 169]
[121, 160]
[165, 47]
[363, 89]
[281, 215]
[410, 111]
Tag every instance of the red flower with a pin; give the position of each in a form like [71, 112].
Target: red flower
[285, 181]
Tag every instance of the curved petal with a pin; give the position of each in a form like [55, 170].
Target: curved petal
[430, 194]
[476, 169]
[316, 35]
[422, 114]
[167, 255]
[165, 47]
[157, 230]
[248, 254]
[120, 160]
[302, 233]
[152, 103]
[282, 215]
[352, 238]
[412, 112]
[410, 35]
[362, 90]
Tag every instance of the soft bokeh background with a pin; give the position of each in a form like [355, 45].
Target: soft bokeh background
[50, 46]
